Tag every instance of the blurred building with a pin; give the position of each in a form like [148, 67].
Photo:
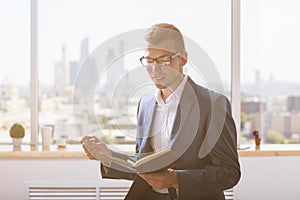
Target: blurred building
[285, 123]
[74, 68]
[252, 105]
[84, 50]
[61, 73]
[293, 103]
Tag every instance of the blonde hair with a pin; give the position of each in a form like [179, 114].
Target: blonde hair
[164, 31]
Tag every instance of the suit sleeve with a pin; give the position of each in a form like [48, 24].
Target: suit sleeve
[117, 171]
[111, 173]
[223, 170]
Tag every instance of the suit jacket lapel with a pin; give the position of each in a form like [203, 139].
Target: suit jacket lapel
[182, 112]
[146, 147]
[186, 121]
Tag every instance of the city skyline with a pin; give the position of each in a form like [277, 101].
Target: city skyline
[269, 44]
[260, 31]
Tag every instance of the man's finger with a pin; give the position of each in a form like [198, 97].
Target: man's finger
[85, 139]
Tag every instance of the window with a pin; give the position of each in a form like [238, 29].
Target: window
[270, 94]
[14, 76]
[70, 30]
[270, 99]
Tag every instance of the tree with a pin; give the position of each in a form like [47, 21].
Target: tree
[274, 137]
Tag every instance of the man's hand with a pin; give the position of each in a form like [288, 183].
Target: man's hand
[95, 149]
[161, 180]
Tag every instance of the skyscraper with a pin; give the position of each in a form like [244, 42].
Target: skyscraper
[84, 50]
[73, 70]
[76, 65]
[57, 75]
[64, 67]
[293, 103]
[115, 68]
[61, 72]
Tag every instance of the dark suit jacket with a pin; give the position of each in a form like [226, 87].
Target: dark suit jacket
[203, 134]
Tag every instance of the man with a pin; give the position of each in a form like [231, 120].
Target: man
[193, 120]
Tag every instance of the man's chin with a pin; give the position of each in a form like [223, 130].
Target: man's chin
[160, 86]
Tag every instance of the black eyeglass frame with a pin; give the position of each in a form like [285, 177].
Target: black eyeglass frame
[155, 60]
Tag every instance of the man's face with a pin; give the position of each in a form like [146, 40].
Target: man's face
[168, 75]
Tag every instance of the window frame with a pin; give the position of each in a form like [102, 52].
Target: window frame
[236, 64]
[34, 72]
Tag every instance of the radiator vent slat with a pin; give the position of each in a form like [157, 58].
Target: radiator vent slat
[61, 198]
[229, 194]
[113, 193]
[62, 193]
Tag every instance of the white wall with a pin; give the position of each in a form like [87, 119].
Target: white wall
[16, 174]
[275, 178]
[263, 178]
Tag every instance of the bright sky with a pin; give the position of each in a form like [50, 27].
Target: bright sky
[270, 32]
[270, 39]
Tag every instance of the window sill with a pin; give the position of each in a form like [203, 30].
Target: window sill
[52, 152]
[76, 151]
[271, 150]
[32, 152]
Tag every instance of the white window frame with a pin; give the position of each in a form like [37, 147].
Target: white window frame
[235, 64]
[34, 110]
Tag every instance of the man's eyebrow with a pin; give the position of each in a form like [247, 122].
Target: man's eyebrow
[159, 56]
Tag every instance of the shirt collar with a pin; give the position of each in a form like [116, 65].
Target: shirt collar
[175, 96]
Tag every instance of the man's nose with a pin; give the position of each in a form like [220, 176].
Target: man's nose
[156, 67]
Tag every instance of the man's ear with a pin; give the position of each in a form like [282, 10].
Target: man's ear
[183, 58]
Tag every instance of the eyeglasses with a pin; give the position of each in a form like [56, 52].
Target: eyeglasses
[164, 60]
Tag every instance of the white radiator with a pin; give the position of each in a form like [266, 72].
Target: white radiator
[85, 191]
[229, 194]
[78, 191]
